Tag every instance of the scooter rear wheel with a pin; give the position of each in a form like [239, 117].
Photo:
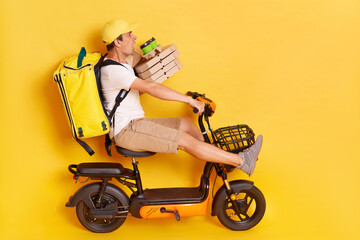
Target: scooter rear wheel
[251, 203]
[94, 224]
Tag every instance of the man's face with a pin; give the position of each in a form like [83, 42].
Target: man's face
[127, 43]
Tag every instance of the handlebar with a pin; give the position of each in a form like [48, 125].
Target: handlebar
[194, 95]
[209, 104]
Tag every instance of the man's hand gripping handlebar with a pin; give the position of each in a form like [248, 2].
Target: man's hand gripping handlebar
[208, 106]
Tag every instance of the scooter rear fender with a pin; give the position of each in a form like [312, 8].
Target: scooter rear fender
[84, 194]
[239, 184]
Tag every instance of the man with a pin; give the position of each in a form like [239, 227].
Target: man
[135, 132]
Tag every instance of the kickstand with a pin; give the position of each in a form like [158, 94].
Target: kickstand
[176, 213]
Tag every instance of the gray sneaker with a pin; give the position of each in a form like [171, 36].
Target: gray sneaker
[250, 156]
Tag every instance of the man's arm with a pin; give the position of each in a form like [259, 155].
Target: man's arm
[162, 92]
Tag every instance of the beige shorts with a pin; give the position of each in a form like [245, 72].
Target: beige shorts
[154, 135]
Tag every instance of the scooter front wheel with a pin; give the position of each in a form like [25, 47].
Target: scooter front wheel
[250, 205]
[99, 225]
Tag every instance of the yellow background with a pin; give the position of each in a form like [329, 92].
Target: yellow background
[289, 69]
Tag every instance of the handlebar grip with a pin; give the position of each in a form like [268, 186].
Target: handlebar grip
[189, 93]
[194, 95]
[195, 110]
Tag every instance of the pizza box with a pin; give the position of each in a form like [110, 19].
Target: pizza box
[161, 64]
[145, 65]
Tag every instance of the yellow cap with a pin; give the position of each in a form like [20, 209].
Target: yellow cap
[115, 28]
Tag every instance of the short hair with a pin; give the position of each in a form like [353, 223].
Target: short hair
[111, 45]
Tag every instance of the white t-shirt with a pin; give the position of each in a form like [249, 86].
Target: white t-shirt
[113, 79]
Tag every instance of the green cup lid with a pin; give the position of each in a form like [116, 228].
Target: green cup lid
[145, 45]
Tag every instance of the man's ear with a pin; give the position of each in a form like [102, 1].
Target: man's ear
[117, 43]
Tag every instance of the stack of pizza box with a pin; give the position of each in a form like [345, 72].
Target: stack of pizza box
[161, 66]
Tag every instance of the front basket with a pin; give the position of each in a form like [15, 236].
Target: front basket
[234, 138]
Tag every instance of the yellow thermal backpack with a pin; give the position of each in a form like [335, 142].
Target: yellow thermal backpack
[78, 79]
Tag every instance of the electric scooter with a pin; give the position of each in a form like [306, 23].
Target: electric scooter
[103, 207]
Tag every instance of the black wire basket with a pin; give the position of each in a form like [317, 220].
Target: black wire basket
[234, 138]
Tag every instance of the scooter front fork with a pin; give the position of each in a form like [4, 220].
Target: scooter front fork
[231, 194]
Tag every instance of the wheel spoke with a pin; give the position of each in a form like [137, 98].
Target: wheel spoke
[232, 207]
[251, 199]
[239, 216]
[246, 198]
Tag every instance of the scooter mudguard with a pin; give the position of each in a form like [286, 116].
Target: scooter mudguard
[242, 184]
[84, 194]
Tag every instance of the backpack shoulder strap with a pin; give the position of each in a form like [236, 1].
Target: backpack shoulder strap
[119, 98]
[122, 93]
[108, 62]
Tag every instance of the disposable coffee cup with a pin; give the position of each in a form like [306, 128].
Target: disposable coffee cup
[153, 43]
[146, 48]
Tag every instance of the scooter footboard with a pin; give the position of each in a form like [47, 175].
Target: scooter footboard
[183, 210]
[85, 193]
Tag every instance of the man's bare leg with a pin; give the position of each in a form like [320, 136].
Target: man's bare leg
[187, 125]
[246, 160]
[207, 152]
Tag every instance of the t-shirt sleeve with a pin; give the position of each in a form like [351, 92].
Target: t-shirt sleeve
[121, 76]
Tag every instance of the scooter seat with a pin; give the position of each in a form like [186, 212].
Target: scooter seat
[100, 168]
[129, 153]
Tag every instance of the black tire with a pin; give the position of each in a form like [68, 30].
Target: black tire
[99, 225]
[252, 207]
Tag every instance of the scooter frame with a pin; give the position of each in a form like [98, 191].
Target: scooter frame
[103, 207]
